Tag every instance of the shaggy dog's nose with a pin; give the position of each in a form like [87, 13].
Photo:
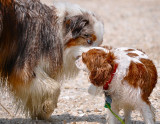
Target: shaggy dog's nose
[78, 57]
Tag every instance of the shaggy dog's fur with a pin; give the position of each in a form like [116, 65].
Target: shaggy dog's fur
[38, 46]
[129, 75]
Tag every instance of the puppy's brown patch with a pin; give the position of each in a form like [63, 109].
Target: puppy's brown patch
[132, 54]
[152, 75]
[143, 76]
[100, 65]
[141, 51]
[129, 50]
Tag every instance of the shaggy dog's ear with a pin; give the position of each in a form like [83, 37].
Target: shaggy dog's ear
[75, 24]
[99, 76]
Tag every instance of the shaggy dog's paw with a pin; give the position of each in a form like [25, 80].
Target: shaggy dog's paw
[47, 109]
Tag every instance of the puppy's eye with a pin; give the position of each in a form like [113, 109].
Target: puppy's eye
[89, 41]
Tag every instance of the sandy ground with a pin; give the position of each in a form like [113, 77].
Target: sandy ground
[130, 23]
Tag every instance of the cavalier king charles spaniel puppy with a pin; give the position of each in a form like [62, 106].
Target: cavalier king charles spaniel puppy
[127, 75]
[38, 48]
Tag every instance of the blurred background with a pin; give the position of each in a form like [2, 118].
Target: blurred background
[128, 23]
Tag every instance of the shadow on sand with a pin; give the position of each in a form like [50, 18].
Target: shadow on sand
[63, 119]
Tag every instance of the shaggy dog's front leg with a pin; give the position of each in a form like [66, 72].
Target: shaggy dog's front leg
[40, 97]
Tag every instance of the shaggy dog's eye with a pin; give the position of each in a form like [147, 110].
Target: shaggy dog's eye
[86, 35]
[89, 41]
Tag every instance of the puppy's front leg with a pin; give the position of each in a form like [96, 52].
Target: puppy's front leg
[112, 119]
[148, 113]
[127, 115]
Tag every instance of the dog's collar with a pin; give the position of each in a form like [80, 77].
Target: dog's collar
[105, 87]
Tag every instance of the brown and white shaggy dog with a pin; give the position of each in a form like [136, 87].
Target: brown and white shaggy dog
[126, 74]
[38, 48]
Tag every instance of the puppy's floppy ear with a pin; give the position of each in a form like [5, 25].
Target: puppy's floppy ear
[75, 24]
[99, 76]
[84, 57]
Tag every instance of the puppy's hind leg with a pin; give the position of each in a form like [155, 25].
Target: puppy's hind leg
[148, 113]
